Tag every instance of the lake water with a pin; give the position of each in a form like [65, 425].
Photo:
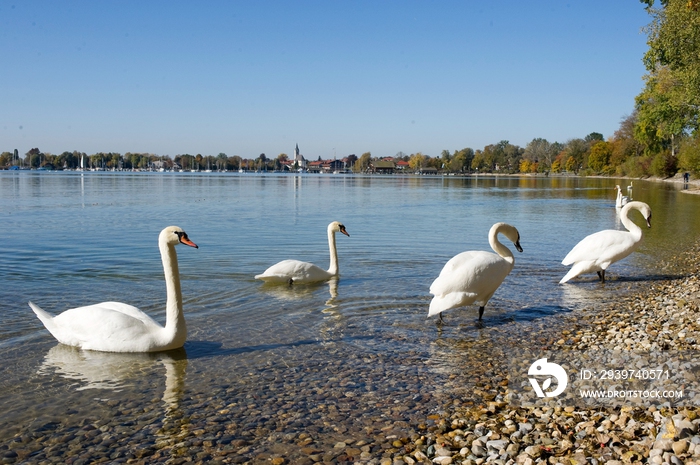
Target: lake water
[353, 358]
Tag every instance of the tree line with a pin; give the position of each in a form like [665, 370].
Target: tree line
[659, 138]
[35, 158]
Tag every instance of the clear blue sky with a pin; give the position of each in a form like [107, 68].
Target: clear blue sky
[336, 77]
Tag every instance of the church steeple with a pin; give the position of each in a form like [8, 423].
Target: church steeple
[299, 159]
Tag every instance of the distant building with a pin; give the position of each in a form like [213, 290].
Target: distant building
[298, 159]
[382, 166]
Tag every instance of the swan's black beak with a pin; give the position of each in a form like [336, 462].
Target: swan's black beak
[517, 246]
[186, 240]
[649, 222]
[342, 230]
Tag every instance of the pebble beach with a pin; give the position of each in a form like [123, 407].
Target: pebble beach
[469, 428]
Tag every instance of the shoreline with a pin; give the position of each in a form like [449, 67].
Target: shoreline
[657, 316]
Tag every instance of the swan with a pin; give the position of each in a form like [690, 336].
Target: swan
[474, 276]
[118, 327]
[598, 251]
[295, 271]
[621, 200]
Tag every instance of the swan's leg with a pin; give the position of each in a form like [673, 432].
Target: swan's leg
[601, 275]
[290, 282]
[481, 312]
[439, 321]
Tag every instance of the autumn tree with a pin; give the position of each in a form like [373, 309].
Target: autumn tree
[542, 153]
[624, 144]
[417, 161]
[599, 158]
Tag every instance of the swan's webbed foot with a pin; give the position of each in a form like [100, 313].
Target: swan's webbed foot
[440, 321]
[601, 275]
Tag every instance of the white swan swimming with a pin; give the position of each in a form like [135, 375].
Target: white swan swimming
[599, 250]
[118, 327]
[621, 200]
[295, 271]
[476, 275]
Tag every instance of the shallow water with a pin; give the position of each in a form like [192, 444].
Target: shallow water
[325, 358]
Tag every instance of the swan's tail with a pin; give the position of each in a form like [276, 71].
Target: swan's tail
[45, 317]
[577, 269]
[440, 303]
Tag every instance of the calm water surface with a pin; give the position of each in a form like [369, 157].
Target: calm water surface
[72, 239]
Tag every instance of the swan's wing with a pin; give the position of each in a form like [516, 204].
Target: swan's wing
[478, 273]
[126, 309]
[603, 247]
[295, 270]
[104, 325]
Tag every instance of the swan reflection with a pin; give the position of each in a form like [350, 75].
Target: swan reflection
[287, 292]
[116, 371]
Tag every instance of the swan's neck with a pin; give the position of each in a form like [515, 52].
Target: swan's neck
[635, 230]
[333, 269]
[175, 326]
[499, 248]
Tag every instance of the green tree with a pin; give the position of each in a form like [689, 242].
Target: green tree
[5, 159]
[594, 137]
[478, 161]
[222, 162]
[674, 42]
[363, 162]
[669, 105]
[662, 112]
[664, 164]
[689, 156]
[461, 160]
[445, 157]
[33, 158]
[575, 153]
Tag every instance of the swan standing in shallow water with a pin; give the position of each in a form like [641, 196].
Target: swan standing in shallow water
[599, 250]
[476, 275]
[295, 271]
[118, 327]
[621, 200]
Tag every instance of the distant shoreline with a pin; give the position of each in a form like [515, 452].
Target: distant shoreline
[693, 186]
